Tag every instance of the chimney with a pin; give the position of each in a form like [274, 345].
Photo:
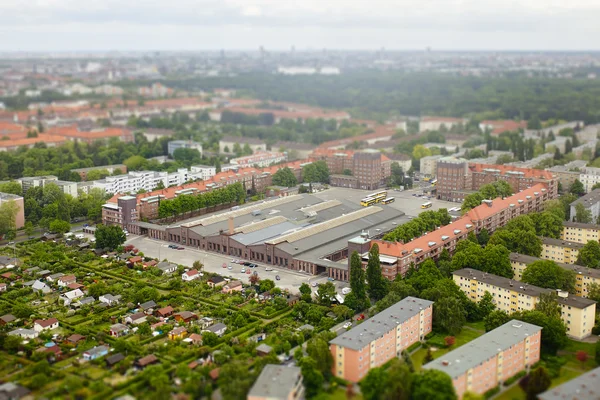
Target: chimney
[230, 225]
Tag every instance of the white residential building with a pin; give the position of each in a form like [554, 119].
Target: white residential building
[589, 176]
[428, 165]
[262, 159]
[147, 180]
[183, 144]
[204, 172]
[71, 296]
[190, 275]
[45, 324]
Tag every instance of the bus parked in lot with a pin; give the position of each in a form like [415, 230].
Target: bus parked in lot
[426, 205]
[388, 200]
[374, 198]
[367, 201]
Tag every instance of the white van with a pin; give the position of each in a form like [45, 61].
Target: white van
[79, 236]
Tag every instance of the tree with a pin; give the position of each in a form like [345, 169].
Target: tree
[377, 285]
[486, 305]
[554, 332]
[495, 319]
[29, 230]
[582, 214]
[312, 377]
[59, 226]
[135, 163]
[547, 274]
[589, 255]
[326, 293]
[420, 151]
[548, 224]
[538, 381]
[449, 315]
[306, 293]
[393, 382]
[284, 177]
[548, 305]
[234, 380]
[432, 384]
[593, 290]
[266, 285]
[449, 341]
[483, 237]
[318, 349]
[428, 356]
[357, 284]
[577, 188]
[8, 216]
[109, 237]
[209, 339]
[582, 356]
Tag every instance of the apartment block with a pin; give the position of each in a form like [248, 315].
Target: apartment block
[397, 257]
[183, 144]
[380, 338]
[278, 382]
[110, 168]
[580, 233]
[428, 164]
[67, 187]
[370, 168]
[457, 178]
[122, 213]
[584, 387]
[491, 359]
[566, 175]
[560, 250]
[203, 172]
[590, 202]
[583, 275]
[18, 200]
[589, 176]
[261, 159]
[509, 295]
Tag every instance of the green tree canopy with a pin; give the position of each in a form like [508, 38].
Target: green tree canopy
[377, 284]
[109, 237]
[589, 255]
[284, 177]
[547, 274]
[432, 384]
[582, 214]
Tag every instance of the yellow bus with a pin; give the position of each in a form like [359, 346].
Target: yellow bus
[378, 196]
[387, 200]
[367, 201]
[433, 182]
[427, 178]
[426, 205]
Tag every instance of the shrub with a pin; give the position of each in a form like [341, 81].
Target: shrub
[490, 393]
[514, 378]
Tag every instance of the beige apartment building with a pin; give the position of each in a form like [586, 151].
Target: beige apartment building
[510, 295]
[491, 359]
[380, 338]
[580, 233]
[583, 275]
[560, 250]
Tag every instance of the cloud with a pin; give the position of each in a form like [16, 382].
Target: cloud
[317, 23]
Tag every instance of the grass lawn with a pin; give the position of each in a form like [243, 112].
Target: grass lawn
[465, 336]
[339, 394]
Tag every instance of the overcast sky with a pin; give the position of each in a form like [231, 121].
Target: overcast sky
[33, 25]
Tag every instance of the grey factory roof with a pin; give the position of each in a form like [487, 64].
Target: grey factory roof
[578, 269]
[592, 197]
[560, 243]
[275, 382]
[521, 288]
[584, 387]
[377, 326]
[479, 350]
[262, 235]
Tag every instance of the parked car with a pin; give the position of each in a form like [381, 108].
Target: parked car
[253, 265]
[314, 284]
[172, 246]
[330, 279]
[180, 248]
[229, 267]
[347, 325]
[277, 277]
[243, 270]
[360, 317]
[247, 263]
[224, 265]
[268, 269]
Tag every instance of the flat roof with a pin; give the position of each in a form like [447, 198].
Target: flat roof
[481, 349]
[581, 225]
[380, 324]
[520, 287]
[584, 387]
[589, 199]
[9, 196]
[276, 382]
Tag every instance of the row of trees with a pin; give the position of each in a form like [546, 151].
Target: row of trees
[234, 193]
[313, 172]
[426, 222]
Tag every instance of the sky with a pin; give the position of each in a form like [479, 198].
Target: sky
[103, 25]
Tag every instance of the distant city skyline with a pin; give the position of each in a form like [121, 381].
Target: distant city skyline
[94, 25]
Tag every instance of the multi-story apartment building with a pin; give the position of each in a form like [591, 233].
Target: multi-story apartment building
[183, 144]
[589, 176]
[146, 180]
[278, 382]
[590, 202]
[509, 295]
[580, 233]
[380, 338]
[451, 187]
[560, 250]
[566, 175]
[583, 275]
[121, 213]
[259, 159]
[369, 168]
[584, 387]
[428, 164]
[491, 359]
[436, 123]
[67, 187]
[491, 215]
[18, 200]
[203, 172]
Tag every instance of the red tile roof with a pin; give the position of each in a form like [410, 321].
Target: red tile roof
[44, 323]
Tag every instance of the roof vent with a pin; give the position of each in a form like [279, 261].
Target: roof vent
[456, 231]
[431, 244]
[444, 237]
[521, 201]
